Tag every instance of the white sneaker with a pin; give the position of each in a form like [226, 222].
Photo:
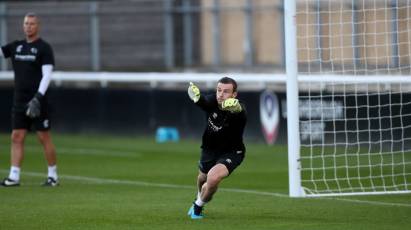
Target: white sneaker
[7, 182]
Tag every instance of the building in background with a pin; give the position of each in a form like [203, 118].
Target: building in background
[209, 35]
[156, 35]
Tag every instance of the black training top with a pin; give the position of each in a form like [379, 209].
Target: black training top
[27, 60]
[224, 130]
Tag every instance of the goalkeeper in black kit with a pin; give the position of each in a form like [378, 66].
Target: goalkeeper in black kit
[33, 62]
[222, 146]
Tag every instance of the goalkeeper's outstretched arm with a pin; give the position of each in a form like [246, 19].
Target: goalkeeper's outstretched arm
[193, 92]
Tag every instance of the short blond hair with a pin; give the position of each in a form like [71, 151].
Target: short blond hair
[32, 15]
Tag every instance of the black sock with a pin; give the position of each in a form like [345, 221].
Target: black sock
[197, 209]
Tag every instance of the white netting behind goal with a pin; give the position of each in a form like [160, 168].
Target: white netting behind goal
[355, 133]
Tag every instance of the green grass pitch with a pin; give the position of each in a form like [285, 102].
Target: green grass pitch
[110, 182]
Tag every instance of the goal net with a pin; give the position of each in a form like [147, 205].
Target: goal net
[354, 97]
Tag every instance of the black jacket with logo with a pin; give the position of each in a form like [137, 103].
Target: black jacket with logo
[224, 130]
[27, 60]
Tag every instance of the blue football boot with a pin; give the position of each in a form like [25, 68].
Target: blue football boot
[195, 212]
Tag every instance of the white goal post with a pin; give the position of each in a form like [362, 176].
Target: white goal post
[348, 67]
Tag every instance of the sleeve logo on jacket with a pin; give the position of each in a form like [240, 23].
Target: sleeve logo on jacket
[19, 48]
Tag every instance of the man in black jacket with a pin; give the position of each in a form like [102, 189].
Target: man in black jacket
[222, 146]
[33, 62]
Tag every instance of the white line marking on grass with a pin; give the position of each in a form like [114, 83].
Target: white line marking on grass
[86, 151]
[96, 152]
[372, 202]
[238, 190]
[161, 185]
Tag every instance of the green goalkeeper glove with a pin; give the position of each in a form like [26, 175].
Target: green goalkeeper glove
[232, 105]
[193, 92]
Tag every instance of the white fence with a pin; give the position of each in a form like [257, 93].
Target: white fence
[246, 81]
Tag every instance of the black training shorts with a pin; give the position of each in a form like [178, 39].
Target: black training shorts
[209, 158]
[19, 120]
